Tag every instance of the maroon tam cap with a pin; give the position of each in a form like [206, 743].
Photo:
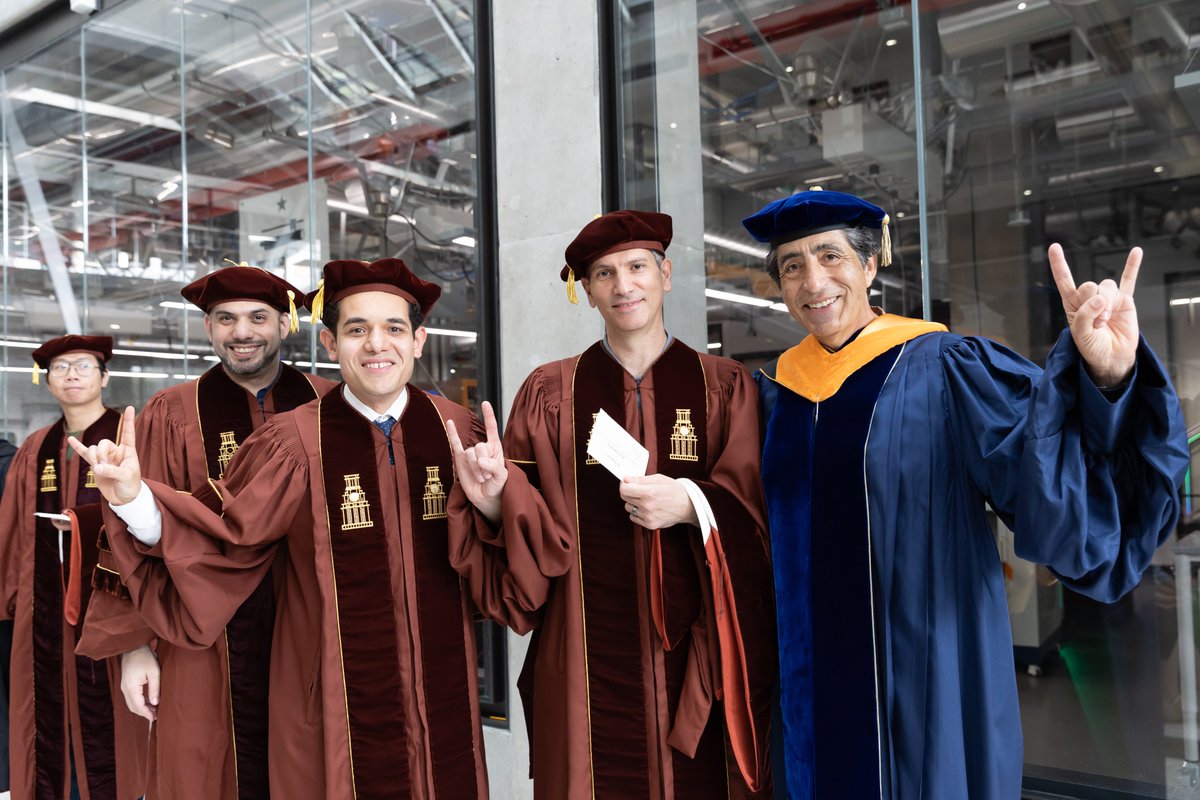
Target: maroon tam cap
[241, 282]
[346, 277]
[99, 346]
[615, 231]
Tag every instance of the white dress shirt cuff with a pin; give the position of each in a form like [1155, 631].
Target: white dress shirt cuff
[704, 512]
[142, 517]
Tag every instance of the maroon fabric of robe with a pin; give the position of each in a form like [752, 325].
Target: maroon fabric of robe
[680, 689]
[127, 738]
[274, 494]
[196, 745]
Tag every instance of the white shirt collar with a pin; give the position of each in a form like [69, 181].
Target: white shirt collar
[394, 411]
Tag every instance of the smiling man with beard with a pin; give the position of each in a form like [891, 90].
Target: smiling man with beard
[211, 737]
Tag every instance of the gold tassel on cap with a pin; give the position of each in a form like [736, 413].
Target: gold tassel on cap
[572, 293]
[295, 318]
[237, 264]
[35, 374]
[318, 303]
[885, 243]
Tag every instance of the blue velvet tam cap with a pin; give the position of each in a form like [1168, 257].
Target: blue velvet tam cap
[816, 211]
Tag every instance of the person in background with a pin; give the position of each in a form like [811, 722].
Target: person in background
[71, 735]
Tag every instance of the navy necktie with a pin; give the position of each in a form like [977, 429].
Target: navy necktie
[385, 424]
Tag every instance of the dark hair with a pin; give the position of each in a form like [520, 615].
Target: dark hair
[862, 241]
[330, 313]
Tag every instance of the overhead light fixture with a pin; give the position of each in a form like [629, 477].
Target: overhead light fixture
[1021, 6]
[1185, 301]
[465, 241]
[472, 335]
[72, 103]
[1160, 169]
[219, 137]
[714, 345]
[167, 189]
[890, 43]
[731, 297]
[1027, 192]
[733, 245]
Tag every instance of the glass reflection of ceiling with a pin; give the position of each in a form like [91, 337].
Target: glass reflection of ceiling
[391, 126]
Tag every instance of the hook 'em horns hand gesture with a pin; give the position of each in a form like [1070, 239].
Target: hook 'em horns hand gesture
[118, 473]
[480, 468]
[1102, 318]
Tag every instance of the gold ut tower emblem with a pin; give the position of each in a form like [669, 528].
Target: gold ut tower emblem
[683, 436]
[49, 477]
[591, 460]
[356, 511]
[90, 481]
[225, 452]
[434, 499]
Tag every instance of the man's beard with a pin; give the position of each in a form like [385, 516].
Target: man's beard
[248, 369]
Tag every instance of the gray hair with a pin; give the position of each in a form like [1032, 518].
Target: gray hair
[862, 240]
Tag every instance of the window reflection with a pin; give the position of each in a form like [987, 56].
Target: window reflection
[165, 139]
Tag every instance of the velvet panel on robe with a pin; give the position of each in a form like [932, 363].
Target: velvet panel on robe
[125, 742]
[196, 743]
[279, 468]
[1087, 483]
[541, 437]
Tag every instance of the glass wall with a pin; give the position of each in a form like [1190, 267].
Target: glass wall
[1075, 121]
[163, 140]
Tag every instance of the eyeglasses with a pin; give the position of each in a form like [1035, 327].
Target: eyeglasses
[82, 368]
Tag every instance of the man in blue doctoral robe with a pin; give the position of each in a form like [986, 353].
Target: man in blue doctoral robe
[886, 438]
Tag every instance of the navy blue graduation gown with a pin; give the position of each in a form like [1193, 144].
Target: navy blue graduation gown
[896, 663]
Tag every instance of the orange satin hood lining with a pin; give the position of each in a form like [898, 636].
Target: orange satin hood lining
[812, 372]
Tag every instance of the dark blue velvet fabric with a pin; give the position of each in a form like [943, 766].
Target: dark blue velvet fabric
[826, 618]
[1087, 483]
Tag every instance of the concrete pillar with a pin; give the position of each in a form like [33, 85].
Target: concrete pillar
[547, 128]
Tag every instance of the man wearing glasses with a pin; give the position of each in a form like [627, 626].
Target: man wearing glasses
[70, 733]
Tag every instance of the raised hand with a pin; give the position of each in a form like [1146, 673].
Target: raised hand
[118, 473]
[1102, 318]
[480, 468]
[657, 501]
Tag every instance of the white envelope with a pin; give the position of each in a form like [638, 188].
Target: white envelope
[615, 449]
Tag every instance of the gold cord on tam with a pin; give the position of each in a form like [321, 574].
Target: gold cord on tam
[294, 325]
[237, 263]
[318, 303]
[572, 293]
[35, 374]
[885, 243]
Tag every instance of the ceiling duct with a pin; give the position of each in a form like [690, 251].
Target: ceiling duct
[993, 27]
[1187, 86]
